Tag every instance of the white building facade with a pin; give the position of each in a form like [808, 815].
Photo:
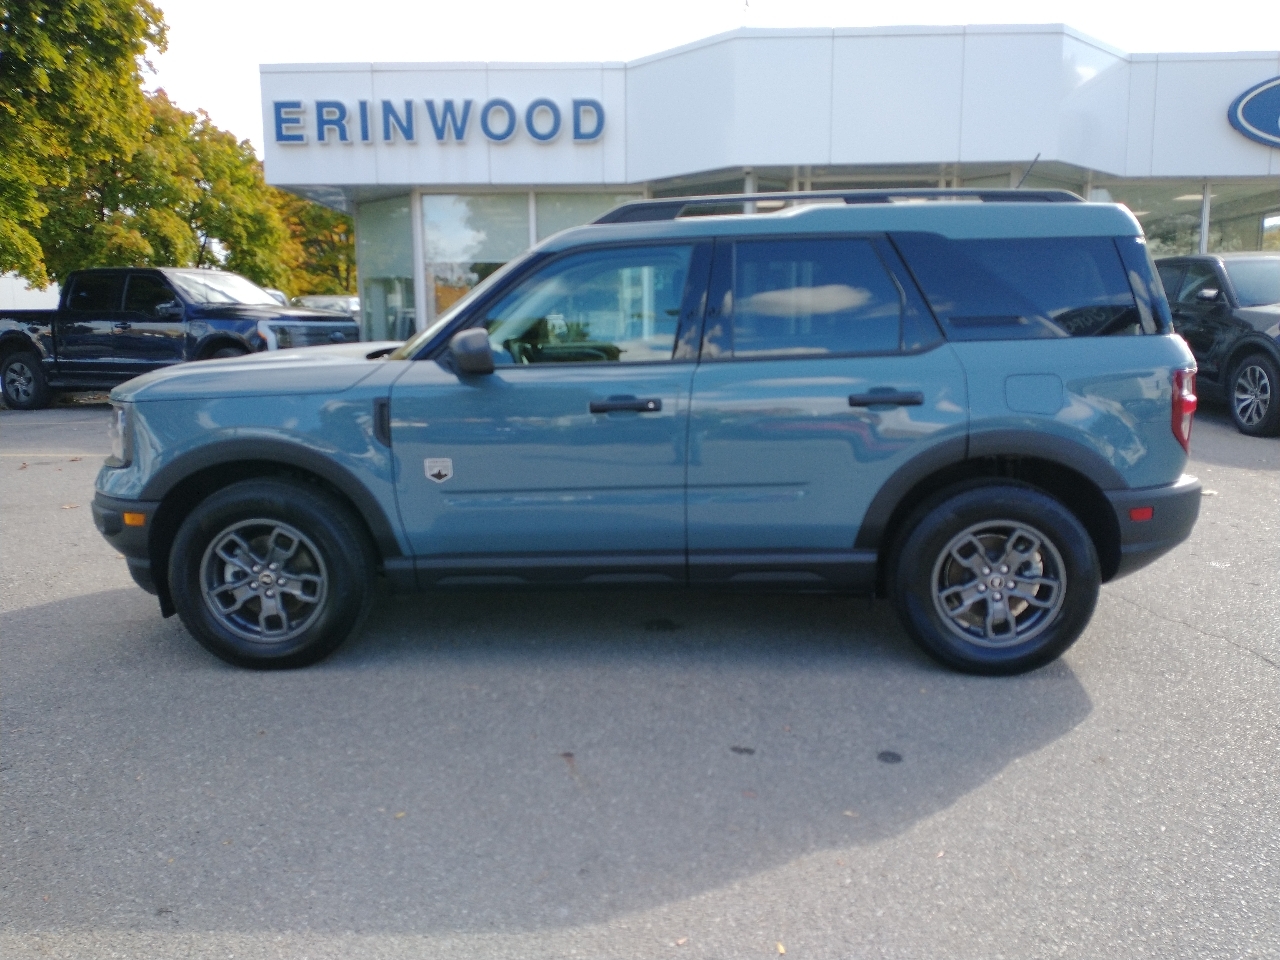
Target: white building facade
[451, 169]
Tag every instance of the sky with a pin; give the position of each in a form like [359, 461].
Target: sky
[215, 49]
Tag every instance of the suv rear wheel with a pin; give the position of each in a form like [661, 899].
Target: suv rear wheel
[1252, 390]
[995, 579]
[271, 574]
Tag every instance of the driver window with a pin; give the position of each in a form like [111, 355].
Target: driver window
[145, 293]
[602, 306]
[1200, 276]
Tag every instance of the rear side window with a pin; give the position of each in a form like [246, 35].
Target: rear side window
[1026, 288]
[96, 293]
[813, 298]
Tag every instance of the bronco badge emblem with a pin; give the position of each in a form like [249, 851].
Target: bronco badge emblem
[439, 470]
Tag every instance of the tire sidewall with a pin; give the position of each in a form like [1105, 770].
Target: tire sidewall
[325, 521]
[1269, 425]
[39, 384]
[941, 519]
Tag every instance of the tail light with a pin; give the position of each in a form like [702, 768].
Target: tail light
[1184, 405]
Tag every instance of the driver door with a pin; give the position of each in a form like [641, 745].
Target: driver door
[567, 463]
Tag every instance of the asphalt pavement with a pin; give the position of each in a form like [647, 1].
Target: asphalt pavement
[635, 774]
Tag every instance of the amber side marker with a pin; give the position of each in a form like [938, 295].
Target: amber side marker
[135, 519]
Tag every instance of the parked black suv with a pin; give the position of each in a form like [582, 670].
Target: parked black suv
[1227, 308]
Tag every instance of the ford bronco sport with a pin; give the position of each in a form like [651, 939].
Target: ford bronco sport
[970, 402]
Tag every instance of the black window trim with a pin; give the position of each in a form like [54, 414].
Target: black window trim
[80, 277]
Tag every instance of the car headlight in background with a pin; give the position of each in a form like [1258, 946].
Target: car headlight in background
[119, 432]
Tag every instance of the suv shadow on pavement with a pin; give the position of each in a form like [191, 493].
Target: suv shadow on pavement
[480, 762]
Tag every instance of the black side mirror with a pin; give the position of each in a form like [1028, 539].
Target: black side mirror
[471, 351]
[169, 310]
[1207, 294]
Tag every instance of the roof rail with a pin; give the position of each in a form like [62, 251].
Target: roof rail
[670, 208]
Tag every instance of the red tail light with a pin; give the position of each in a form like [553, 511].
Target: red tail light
[1184, 405]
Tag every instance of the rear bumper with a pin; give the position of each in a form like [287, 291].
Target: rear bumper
[130, 539]
[1174, 509]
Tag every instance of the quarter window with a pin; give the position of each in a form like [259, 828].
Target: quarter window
[1028, 288]
[611, 306]
[813, 298]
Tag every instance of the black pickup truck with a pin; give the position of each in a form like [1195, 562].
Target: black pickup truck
[114, 324]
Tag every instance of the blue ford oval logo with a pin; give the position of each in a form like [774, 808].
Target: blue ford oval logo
[1256, 112]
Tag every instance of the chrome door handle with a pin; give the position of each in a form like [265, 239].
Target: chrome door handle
[122, 325]
[618, 404]
[885, 397]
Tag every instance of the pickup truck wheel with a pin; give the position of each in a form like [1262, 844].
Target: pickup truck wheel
[995, 579]
[1254, 393]
[25, 385]
[270, 574]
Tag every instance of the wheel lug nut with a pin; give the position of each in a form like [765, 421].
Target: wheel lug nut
[256, 568]
[274, 566]
[982, 588]
[1004, 569]
[996, 595]
[985, 571]
[271, 593]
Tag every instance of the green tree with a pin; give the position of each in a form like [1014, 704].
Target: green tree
[322, 246]
[189, 195]
[70, 99]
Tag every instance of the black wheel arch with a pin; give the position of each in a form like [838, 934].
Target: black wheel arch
[214, 342]
[181, 485]
[1247, 345]
[1071, 473]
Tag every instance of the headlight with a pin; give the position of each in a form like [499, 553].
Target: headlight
[119, 433]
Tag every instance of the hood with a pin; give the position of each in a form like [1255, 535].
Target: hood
[326, 369]
[245, 311]
[1264, 319]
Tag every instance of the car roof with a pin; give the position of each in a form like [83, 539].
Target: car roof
[958, 221]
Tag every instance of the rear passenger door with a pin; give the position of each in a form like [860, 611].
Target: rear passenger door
[84, 330]
[1204, 323]
[822, 373]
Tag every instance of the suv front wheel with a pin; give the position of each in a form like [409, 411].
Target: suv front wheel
[271, 574]
[995, 579]
[1253, 384]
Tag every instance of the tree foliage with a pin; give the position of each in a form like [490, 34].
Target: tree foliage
[322, 250]
[190, 195]
[70, 99]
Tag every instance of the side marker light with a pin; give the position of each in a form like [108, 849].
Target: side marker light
[1140, 514]
[135, 519]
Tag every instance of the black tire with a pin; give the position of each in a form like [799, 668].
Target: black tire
[24, 383]
[952, 591]
[1253, 393]
[222, 353]
[229, 595]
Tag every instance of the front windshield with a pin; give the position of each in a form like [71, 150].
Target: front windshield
[1257, 282]
[411, 346]
[215, 287]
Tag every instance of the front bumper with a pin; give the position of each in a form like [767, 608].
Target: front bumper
[131, 539]
[1173, 512]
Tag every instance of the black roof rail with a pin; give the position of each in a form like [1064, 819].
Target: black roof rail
[669, 208]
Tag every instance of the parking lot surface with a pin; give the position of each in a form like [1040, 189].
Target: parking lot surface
[635, 774]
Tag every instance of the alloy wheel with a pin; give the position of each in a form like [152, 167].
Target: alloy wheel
[1252, 395]
[264, 580]
[998, 583]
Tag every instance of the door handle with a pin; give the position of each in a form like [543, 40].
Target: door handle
[887, 397]
[122, 325]
[617, 404]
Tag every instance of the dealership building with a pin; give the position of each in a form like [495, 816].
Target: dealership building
[451, 169]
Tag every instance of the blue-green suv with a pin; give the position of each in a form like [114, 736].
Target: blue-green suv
[972, 403]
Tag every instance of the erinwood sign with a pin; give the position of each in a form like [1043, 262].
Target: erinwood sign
[1256, 112]
[408, 121]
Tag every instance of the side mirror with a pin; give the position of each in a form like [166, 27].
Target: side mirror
[169, 310]
[471, 351]
[1207, 294]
